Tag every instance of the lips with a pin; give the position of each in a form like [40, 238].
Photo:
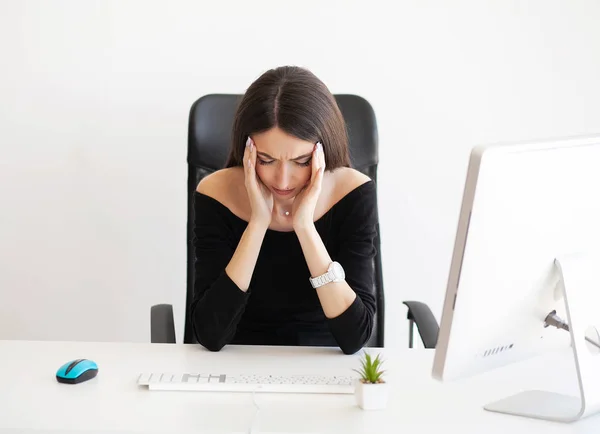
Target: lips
[283, 192]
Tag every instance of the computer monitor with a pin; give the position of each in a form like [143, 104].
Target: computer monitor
[528, 233]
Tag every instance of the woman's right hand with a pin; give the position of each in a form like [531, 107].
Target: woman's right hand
[261, 198]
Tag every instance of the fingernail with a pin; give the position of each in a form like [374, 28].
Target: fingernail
[319, 146]
[248, 141]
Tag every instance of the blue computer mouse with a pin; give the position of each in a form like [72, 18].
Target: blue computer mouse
[76, 371]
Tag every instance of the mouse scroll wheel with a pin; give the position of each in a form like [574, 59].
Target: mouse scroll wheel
[72, 365]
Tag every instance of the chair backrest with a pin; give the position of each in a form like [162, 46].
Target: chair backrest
[209, 138]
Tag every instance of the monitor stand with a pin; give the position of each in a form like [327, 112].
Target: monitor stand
[578, 279]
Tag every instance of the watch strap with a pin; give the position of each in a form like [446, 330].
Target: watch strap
[321, 280]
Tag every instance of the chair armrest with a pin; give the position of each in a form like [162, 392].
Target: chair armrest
[421, 315]
[162, 325]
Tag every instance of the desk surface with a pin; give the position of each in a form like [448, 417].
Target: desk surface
[31, 399]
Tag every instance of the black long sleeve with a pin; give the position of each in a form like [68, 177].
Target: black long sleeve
[281, 307]
[352, 329]
[218, 303]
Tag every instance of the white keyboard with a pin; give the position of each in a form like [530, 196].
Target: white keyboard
[203, 382]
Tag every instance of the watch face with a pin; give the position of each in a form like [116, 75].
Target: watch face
[338, 271]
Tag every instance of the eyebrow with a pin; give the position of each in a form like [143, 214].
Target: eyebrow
[264, 154]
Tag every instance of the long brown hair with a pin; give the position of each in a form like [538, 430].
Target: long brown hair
[296, 101]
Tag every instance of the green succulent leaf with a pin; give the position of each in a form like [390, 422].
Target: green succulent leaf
[370, 370]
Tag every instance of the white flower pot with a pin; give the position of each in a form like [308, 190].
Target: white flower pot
[371, 396]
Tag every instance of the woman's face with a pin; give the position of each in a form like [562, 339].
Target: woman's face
[283, 162]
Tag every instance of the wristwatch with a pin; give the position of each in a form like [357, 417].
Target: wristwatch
[335, 273]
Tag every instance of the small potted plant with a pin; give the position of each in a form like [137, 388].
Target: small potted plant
[371, 390]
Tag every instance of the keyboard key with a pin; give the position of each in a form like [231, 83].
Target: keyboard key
[247, 383]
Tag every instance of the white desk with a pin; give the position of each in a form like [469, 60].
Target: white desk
[31, 399]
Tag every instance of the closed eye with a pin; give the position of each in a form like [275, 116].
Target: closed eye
[299, 163]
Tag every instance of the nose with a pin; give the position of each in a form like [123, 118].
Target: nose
[282, 177]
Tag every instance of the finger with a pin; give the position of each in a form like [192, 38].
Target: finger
[246, 153]
[320, 164]
[252, 147]
[313, 189]
[319, 179]
[262, 187]
[248, 163]
[246, 157]
[315, 162]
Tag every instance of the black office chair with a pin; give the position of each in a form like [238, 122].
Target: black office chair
[209, 136]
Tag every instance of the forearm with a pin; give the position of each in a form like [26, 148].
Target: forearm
[335, 297]
[242, 263]
[218, 310]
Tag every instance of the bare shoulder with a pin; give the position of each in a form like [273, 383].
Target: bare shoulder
[217, 183]
[345, 180]
[227, 187]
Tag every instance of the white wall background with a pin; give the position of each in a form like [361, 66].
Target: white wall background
[94, 99]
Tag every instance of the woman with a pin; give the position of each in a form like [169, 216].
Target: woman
[284, 234]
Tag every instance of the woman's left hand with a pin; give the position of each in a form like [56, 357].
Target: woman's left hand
[303, 209]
